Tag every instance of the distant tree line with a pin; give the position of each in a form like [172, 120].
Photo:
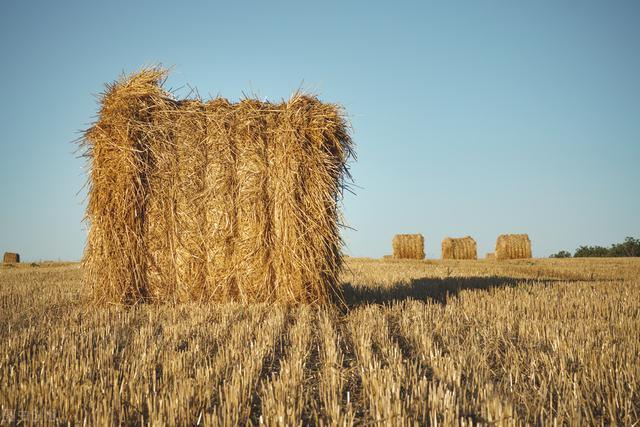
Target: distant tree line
[629, 248]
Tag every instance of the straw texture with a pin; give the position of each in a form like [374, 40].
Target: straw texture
[213, 201]
[513, 246]
[459, 248]
[408, 246]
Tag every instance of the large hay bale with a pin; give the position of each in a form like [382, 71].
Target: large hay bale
[513, 246]
[213, 201]
[408, 246]
[459, 248]
[11, 258]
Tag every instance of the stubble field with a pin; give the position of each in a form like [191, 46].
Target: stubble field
[418, 342]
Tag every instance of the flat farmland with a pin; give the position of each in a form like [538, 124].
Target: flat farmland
[483, 342]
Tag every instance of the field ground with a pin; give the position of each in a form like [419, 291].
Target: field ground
[418, 342]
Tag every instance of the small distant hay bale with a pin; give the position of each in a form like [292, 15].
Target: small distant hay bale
[11, 258]
[490, 255]
[387, 257]
[408, 246]
[459, 248]
[513, 246]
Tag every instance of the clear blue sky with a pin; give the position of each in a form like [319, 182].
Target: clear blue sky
[478, 117]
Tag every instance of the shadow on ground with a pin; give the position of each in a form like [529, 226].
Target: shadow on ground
[435, 289]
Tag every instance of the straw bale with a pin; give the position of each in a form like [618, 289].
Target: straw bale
[191, 156]
[253, 244]
[306, 178]
[490, 255]
[220, 198]
[409, 246]
[119, 147]
[459, 248]
[513, 246]
[11, 258]
[161, 211]
[213, 201]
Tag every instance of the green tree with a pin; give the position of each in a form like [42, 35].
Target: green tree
[591, 251]
[561, 254]
[629, 248]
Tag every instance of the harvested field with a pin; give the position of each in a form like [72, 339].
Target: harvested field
[522, 342]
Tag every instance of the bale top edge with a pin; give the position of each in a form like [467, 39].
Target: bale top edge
[151, 81]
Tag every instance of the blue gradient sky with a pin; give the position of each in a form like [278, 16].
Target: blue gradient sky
[471, 117]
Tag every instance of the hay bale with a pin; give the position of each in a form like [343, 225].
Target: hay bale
[408, 246]
[213, 201]
[513, 246]
[490, 255]
[220, 184]
[11, 258]
[459, 248]
[120, 148]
